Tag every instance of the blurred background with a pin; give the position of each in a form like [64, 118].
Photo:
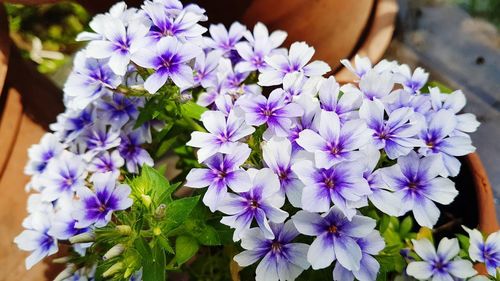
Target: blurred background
[457, 41]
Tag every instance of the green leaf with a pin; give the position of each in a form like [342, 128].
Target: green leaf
[177, 212]
[384, 223]
[154, 267]
[192, 110]
[165, 244]
[205, 234]
[464, 241]
[185, 248]
[442, 88]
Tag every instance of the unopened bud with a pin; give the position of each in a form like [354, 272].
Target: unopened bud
[124, 229]
[185, 97]
[115, 251]
[82, 238]
[146, 199]
[128, 272]
[114, 269]
[157, 231]
[66, 273]
[160, 211]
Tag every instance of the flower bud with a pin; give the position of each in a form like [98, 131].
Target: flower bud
[157, 231]
[185, 97]
[61, 260]
[146, 200]
[160, 211]
[124, 229]
[115, 251]
[66, 273]
[82, 238]
[114, 269]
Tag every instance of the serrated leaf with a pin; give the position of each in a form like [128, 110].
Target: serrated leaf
[185, 248]
[153, 269]
[165, 244]
[177, 212]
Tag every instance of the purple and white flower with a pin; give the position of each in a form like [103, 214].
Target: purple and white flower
[455, 102]
[260, 44]
[277, 154]
[223, 134]
[345, 105]
[335, 237]
[63, 176]
[361, 65]
[107, 162]
[225, 40]
[119, 43]
[443, 264]
[334, 142]
[96, 207]
[262, 203]
[132, 152]
[376, 85]
[439, 141]
[381, 195]
[342, 184]
[417, 186]
[297, 60]
[35, 238]
[487, 252]
[169, 60]
[120, 109]
[369, 267]
[282, 259]
[223, 171]
[89, 80]
[39, 157]
[273, 111]
[205, 68]
[184, 26]
[72, 123]
[397, 135]
[412, 83]
[100, 138]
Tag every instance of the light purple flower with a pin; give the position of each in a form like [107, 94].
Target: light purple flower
[273, 111]
[39, 156]
[412, 83]
[120, 42]
[361, 65]
[376, 85]
[281, 258]
[455, 102]
[381, 195]
[369, 268]
[297, 60]
[277, 154]
[89, 80]
[419, 103]
[169, 60]
[438, 141]
[120, 109]
[335, 142]
[487, 252]
[99, 138]
[398, 134]
[223, 171]
[205, 67]
[134, 155]
[63, 176]
[225, 40]
[336, 237]
[261, 202]
[35, 238]
[342, 184]
[260, 44]
[63, 224]
[107, 162]
[417, 186]
[223, 134]
[184, 26]
[345, 104]
[306, 121]
[72, 123]
[443, 264]
[96, 207]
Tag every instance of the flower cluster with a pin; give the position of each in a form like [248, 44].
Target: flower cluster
[293, 162]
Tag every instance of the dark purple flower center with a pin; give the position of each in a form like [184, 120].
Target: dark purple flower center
[253, 204]
[276, 246]
[333, 229]
[330, 183]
